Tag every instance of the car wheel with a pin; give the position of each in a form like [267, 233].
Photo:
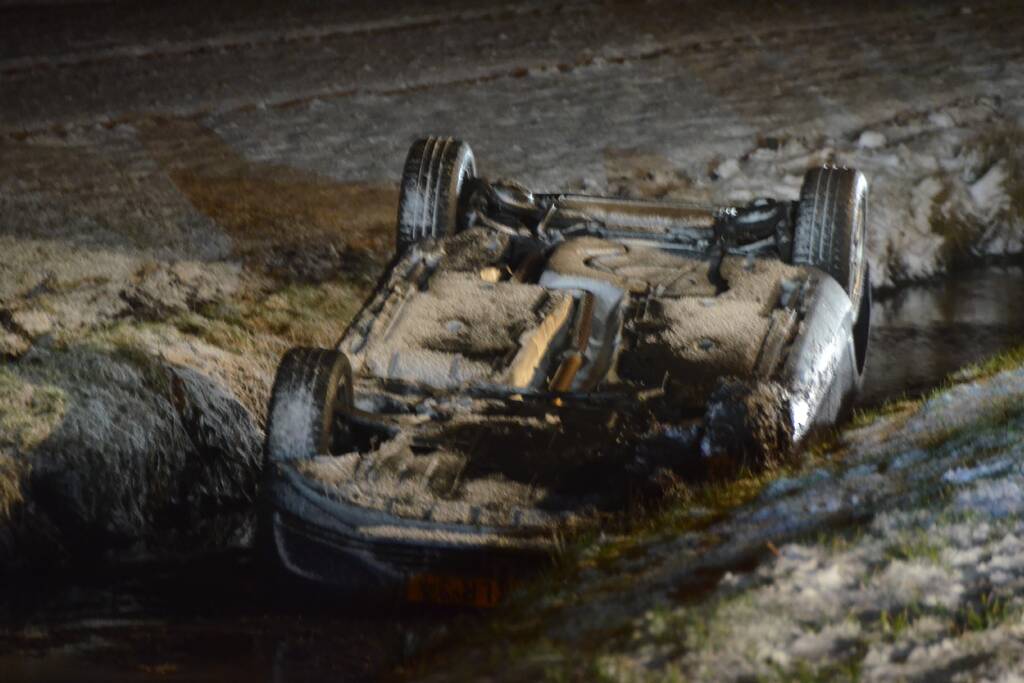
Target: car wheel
[312, 386]
[432, 180]
[831, 227]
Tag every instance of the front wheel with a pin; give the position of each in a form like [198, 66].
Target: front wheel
[312, 387]
[831, 227]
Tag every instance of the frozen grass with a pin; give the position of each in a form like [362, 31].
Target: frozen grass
[28, 414]
[295, 315]
[1005, 145]
[1007, 360]
[965, 232]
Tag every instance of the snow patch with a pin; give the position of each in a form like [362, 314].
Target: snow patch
[871, 139]
[989, 191]
[1000, 498]
[966, 475]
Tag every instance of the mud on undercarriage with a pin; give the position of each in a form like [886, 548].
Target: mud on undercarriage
[529, 359]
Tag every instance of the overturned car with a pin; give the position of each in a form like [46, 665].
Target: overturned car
[530, 361]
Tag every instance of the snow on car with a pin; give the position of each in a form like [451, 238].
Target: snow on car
[530, 361]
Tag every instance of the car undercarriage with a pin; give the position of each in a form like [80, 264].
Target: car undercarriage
[531, 362]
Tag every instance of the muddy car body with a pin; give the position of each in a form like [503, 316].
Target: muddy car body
[531, 361]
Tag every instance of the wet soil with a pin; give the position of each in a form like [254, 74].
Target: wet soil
[220, 617]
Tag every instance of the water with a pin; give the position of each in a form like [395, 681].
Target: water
[922, 334]
[210, 618]
[217, 618]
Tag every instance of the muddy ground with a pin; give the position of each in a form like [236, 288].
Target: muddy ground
[187, 189]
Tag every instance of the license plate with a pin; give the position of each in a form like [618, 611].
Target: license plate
[439, 589]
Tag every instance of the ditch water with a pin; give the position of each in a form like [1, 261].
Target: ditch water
[922, 334]
[216, 618]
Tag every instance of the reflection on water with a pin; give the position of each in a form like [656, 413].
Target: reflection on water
[922, 334]
[218, 619]
[214, 618]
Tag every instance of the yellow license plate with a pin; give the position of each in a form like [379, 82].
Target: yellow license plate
[439, 589]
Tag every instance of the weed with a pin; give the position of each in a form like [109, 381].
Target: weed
[896, 623]
[989, 611]
[1012, 359]
[918, 546]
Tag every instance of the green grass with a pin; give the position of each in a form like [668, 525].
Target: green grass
[847, 671]
[915, 547]
[893, 625]
[295, 315]
[988, 611]
[1012, 359]
[899, 406]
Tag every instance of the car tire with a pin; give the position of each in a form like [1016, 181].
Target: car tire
[311, 387]
[831, 227]
[435, 172]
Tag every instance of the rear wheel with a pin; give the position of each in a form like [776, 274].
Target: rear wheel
[311, 388]
[435, 172]
[831, 227]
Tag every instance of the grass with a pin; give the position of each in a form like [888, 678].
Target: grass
[295, 315]
[805, 672]
[28, 415]
[313, 315]
[10, 485]
[917, 546]
[900, 406]
[1006, 145]
[999, 415]
[1012, 359]
[28, 412]
[893, 625]
[988, 611]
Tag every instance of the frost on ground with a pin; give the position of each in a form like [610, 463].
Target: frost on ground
[898, 555]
